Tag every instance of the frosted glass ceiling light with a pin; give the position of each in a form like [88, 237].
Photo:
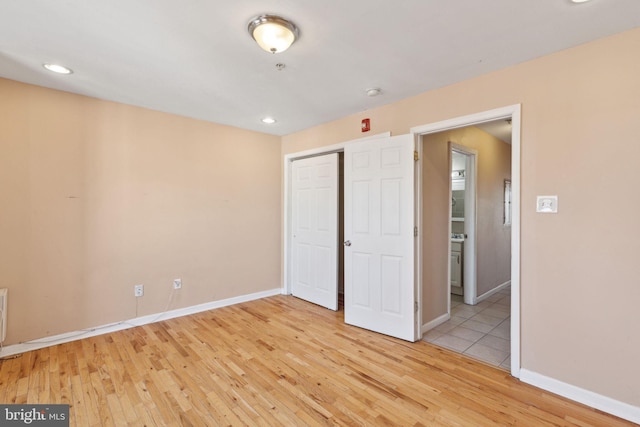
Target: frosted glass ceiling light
[273, 33]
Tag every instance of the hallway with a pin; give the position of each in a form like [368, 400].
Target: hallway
[479, 331]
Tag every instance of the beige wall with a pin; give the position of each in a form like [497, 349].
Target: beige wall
[580, 127]
[98, 196]
[493, 241]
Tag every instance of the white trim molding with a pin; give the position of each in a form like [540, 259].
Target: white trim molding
[470, 267]
[493, 291]
[586, 397]
[435, 323]
[132, 323]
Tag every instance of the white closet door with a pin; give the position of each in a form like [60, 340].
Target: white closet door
[379, 240]
[314, 255]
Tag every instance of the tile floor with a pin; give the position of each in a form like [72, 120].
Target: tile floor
[480, 331]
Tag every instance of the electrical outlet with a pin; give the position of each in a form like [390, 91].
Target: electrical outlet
[177, 283]
[138, 290]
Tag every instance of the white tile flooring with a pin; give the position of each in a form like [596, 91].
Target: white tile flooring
[481, 331]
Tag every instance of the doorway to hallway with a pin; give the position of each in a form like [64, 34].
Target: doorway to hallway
[497, 281]
[474, 166]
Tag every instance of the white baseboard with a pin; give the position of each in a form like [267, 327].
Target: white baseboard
[589, 398]
[132, 323]
[493, 291]
[435, 322]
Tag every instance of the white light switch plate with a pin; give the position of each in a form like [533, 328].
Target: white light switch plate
[547, 204]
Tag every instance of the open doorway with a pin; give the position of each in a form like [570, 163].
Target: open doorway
[462, 214]
[479, 246]
[497, 268]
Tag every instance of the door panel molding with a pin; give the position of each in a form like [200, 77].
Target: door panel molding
[314, 249]
[287, 175]
[379, 222]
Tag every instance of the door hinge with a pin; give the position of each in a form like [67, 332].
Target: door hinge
[416, 157]
[415, 231]
[415, 306]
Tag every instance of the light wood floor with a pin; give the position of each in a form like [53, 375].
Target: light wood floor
[276, 361]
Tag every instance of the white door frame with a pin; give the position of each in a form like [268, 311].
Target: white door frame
[514, 113]
[287, 176]
[469, 274]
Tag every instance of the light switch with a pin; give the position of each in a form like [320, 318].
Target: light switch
[547, 204]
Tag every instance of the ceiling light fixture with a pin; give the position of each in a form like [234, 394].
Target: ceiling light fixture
[374, 91]
[269, 120]
[273, 33]
[579, 1]
[58, 68]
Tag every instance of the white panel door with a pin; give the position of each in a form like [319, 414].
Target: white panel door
[379, 242]
[314, 254]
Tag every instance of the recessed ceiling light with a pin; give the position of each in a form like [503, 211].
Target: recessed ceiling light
[269, 120]
[374, 91]
[580, 1]
[58, 68]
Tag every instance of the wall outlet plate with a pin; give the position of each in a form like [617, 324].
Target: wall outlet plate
[177, 283]
[547, 204]
[138, 290]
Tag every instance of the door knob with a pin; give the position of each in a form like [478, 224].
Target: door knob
[347, 242]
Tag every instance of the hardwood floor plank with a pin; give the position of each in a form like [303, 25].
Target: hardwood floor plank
[89, 400]
[145, 417]
[12, 381]
[79, 412]
[276, 361]
[6, 369]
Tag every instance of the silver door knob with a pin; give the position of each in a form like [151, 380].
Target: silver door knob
[347, 243]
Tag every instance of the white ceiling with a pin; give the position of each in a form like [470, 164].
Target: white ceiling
[501, 129]
[195, 57]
